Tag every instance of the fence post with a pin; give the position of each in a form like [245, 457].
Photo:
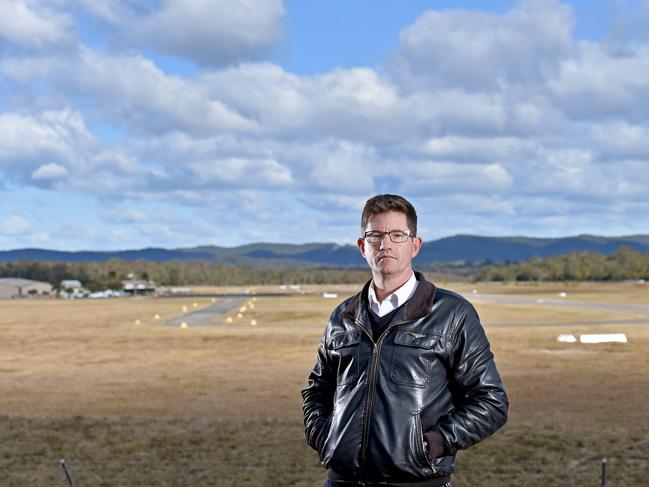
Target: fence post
[603, 472]
[67, 474]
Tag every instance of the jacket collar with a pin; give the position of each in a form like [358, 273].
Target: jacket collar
[416, 307]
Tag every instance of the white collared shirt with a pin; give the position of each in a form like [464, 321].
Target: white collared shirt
[394, 300]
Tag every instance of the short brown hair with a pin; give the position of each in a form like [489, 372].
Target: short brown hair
[382, 203]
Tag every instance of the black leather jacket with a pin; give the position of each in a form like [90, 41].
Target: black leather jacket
[367, 404]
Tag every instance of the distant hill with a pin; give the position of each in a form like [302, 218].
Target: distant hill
[497, 249]
[459, 248]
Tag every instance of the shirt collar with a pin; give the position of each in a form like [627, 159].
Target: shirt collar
[397, 298]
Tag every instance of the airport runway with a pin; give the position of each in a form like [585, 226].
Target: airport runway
[565, 303]
[210, 315]
[507, 299]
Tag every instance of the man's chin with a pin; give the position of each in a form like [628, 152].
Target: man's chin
[386, 266]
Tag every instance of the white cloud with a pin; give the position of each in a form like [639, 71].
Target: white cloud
[33, 24]
[362, 87]
[341, 168]
[124, 214]
[422, 177]
[600, 82]
[82, 164]
[485, 149]
[484, 51]
[238, 172]
[576, 175]
[136, 94]
[348, 103]
[187, 165]
[114, 12]
[16, 225]
[28, 139]
[318, 166]
[49, 171]
[442, 214]
[555, 172]
[25, 69]
[267, 163]
[362, 105]
[621, 139]
[212, 32]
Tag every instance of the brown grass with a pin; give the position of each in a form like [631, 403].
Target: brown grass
[617, 293]
[156, 405]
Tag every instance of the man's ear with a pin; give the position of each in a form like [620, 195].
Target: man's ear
[361, 246]
[416, 245]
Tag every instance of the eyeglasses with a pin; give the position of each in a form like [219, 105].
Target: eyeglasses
[397, 236]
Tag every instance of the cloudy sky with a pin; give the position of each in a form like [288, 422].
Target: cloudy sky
[130, 123]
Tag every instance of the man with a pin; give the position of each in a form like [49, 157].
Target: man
[404, 375]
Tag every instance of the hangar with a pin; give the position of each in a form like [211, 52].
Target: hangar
[14, 287]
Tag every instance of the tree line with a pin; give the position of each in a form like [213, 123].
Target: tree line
[110, 274]
[625, 264]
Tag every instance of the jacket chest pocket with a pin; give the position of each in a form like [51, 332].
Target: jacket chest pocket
[412, 357]
[345, 349]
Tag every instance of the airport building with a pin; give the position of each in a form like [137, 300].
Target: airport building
[13, 287]
[70, 285]
[138, 287]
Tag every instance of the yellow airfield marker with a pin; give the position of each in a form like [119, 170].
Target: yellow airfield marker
[136, 322]
[156, 316]
[229, 319]
[214, 300]
[194, 304]
[184, 308]
[183, 324]
[239, 315]
[253, 322]
[242, 309]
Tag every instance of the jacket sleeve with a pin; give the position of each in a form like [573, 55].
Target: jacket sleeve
[480, 401]
[318, 397]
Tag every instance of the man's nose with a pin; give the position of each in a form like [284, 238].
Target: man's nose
[385, 241]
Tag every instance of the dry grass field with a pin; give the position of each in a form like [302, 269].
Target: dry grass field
[153, 405]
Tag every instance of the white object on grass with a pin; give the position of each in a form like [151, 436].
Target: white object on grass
[564, 338]
[604, 338]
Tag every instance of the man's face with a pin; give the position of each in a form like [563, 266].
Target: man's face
[386, 258]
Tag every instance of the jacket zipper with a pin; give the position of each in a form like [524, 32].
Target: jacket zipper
[369, 403]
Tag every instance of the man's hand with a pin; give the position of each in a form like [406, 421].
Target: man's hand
[433, 444]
